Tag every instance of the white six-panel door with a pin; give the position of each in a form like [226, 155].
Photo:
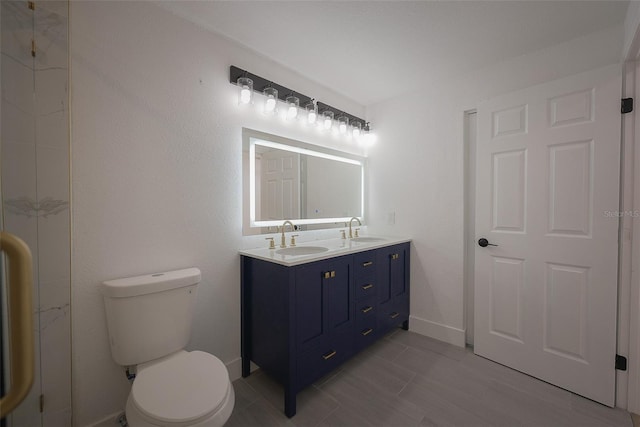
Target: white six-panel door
[547, 187]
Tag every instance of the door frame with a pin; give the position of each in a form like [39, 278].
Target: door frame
[629, 273]
[628, 306]
[470, 138]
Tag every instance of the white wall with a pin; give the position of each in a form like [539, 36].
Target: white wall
[343, 178]
[156, 174]
[416, 169]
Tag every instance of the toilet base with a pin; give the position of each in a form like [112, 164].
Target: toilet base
[217, 419]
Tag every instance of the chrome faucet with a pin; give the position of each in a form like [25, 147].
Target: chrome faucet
[283, 242]
[350, 222]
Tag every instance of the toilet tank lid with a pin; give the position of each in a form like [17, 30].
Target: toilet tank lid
[150, 283]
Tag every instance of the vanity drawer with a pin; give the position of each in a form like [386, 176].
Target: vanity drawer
[366, 310]
[316, 363]
[392, 315]
[365, 264]
[366, 288]
[366, 334]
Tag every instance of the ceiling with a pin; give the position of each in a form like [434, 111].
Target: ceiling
[373, 50]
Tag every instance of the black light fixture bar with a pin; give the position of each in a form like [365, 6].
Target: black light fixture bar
[260, 83]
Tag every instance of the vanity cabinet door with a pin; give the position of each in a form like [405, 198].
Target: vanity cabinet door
[393, 290]
[323, 303]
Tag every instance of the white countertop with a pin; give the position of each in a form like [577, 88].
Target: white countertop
[336, 247]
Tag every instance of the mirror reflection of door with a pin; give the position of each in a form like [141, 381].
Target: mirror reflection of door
[279, 184]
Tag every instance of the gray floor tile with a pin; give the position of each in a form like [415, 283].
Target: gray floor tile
[613, 417]
[344, 417]
[312, 404]
[245, 394]
[376, 409]
[406, 379]
[386, 376]
[438, 410]
[421, 342]
[267, 388]
[386, 348]
[259, 414]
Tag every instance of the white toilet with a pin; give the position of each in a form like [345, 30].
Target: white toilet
[149, 321]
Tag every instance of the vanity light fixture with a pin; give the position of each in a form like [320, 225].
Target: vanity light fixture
[327, 119]
[271, 99]
[293, 103]
[348, 124]
[368, 136]
[356, 128]
[343, 123]
[246, 90]
[312, 111]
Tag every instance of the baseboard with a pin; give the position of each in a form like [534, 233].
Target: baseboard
[108, 421]
[235, 368]
[436, 330]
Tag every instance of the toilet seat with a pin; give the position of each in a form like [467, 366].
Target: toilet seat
[182, 389]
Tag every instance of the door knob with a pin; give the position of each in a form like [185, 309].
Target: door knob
[484, 243]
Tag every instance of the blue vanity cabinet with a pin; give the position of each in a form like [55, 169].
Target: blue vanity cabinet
[393, 287]
[297, 322]
[301, 322]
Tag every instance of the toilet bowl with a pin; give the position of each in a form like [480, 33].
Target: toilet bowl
[149, 322]
[185, 389]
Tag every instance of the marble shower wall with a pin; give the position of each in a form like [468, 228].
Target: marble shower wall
[35, 188]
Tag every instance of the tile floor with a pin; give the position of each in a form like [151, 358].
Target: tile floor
[410, 380]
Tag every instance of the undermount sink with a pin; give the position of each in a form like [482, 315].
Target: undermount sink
[302, 250]
[367, 239]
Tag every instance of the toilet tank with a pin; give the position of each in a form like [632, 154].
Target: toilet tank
[149, 317]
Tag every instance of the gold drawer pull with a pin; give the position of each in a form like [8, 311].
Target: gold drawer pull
[366, 332]
[329, 355]
[367, 264]
[395, 256]
[333, 274]
[394, 315]
[365, 287]
[367, 309]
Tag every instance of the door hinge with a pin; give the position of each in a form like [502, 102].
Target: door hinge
[41, 403]
[31, 5]
[33, 48]
[627, 105]
[621, 363]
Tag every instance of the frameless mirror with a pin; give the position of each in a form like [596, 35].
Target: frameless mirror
[285, 179]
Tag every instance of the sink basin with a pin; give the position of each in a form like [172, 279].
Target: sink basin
[367, 239]
[302, 250]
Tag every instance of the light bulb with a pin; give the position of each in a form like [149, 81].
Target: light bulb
[271, 104]
[327, 121]
[292, 112]
[343, 122]
[311, 118]
[245, 95]
[312, 112]
[292, 106]
[356, 127]
[246, 90]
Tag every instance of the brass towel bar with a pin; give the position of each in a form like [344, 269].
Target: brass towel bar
[19, 289]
